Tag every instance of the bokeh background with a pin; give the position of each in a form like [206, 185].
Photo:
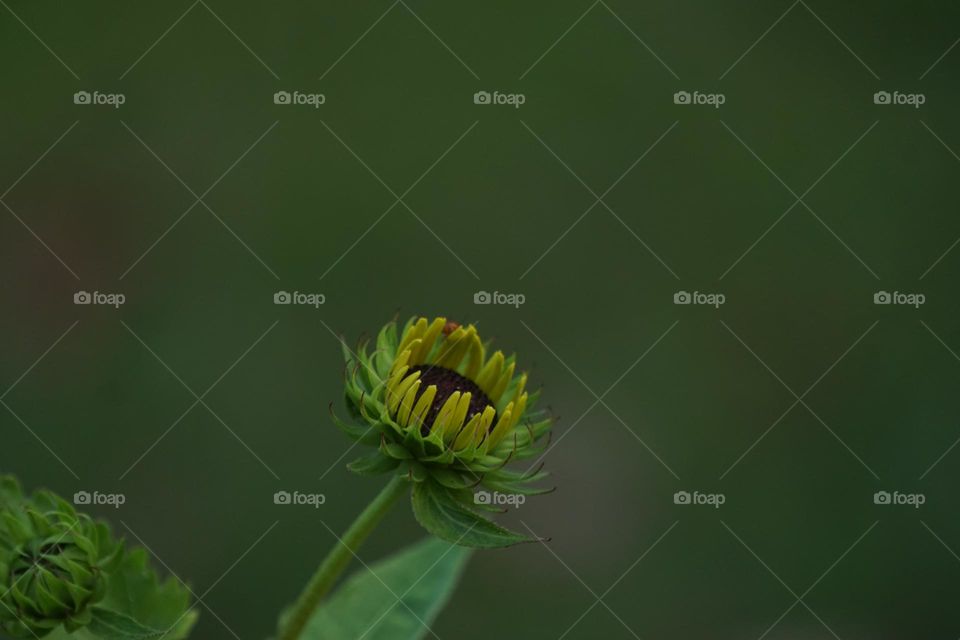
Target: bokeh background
[653, 397]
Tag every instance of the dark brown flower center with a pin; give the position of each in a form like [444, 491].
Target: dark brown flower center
[447, 381]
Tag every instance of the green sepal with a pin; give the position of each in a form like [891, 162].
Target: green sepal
[440, 513]
[373, 464]
[363, 435]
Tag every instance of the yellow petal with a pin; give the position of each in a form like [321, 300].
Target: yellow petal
[454, 347]
[475, 357]
[490, 373]
[430, 338]
[406, 405]
[415, 331]
[423, 405]
[396, 377]
[521, 407]
[486, 419]
[458, 416]
[501, 385]
[443, 416]
[502, 428]
[398, 393]
[467, 433]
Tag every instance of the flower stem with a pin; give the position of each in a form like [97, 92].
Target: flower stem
[340, 556]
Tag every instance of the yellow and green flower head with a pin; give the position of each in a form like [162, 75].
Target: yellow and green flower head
[443, 410]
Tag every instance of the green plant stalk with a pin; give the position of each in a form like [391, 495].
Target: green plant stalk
[340, 556]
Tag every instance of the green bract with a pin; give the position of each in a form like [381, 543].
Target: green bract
[449, 417]
[63, 575]
[52, 566]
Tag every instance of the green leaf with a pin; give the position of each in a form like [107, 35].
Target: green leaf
[438, 510]
[134, 590]
[113, 625]
[395, 598]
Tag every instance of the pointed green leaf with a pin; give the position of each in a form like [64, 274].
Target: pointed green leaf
[395, 598]
[113, 625]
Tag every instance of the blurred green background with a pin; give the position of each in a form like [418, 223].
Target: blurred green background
[296, 192]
